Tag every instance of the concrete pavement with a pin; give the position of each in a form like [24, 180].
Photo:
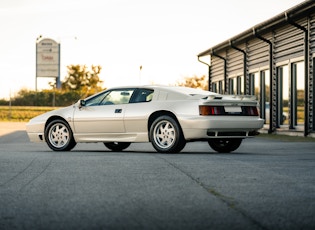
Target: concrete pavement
[10, 127]
[265, 184]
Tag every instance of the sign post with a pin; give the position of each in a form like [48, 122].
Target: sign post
[48, 60]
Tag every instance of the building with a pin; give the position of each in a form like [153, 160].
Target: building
[275, 61]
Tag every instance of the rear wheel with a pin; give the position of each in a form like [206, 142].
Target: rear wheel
[59, 136]
[166, 135]
[225, 145]
[117, 146]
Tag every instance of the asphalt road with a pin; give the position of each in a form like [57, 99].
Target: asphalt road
[265, 184]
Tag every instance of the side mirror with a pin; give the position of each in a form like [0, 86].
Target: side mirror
[82, 103]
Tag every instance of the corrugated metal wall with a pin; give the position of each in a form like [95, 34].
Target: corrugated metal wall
[217, 69]
[258, 52]
[289, 42]
[287, 45]
[235, 59]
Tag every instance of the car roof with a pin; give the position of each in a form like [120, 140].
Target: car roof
[173, 89]
[180, 91]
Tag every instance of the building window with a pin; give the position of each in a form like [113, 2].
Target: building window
[231, 86]
[298, 93]
[220, 87]
[240, 85]
[214, 87]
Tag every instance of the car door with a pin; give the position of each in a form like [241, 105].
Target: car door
[138, 110]
[103, 114]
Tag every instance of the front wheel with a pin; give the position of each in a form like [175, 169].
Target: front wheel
[166, 135]
[59, 136]
[225, 145]
[117, 146]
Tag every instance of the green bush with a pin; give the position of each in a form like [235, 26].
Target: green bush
[45, 98]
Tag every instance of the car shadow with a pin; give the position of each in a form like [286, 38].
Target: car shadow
[15, 137]
[153, 152]
[191, 148]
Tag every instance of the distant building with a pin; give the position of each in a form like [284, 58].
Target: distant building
[274, 60]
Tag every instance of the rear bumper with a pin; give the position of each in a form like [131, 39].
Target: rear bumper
[221, 127]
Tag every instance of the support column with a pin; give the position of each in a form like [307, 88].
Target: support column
[273, 92]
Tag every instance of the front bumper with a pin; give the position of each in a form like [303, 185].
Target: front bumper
[35, 131]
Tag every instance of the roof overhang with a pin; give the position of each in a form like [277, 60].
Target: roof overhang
[299, 11]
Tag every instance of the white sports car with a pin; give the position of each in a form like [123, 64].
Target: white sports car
[166, 116]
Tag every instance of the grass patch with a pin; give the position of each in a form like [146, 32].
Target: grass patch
[22, 113]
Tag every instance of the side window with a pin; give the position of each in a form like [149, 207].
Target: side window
[117, 97]
[114, 97]
[143, 95]
[94, 101]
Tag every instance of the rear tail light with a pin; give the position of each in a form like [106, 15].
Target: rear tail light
[251, 110]
[205, 110]
[208, 110]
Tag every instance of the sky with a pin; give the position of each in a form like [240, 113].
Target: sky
[162, 36]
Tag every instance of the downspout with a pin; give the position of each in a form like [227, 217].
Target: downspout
[244, 63]
[225, 70]
[271, 77]
[209, 74]
[306, 70]
[262, 98]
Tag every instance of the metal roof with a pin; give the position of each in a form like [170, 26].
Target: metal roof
[299, 11]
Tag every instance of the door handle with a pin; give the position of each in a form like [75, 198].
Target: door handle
[118, 110]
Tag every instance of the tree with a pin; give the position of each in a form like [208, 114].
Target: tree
[194, 82]
[81, 79]
[45, 97]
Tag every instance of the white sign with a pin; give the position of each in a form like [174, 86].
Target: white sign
[47, 58]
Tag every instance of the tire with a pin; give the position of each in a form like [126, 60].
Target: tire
[117, 146]
[166, 135]
[225, 145]
[59, 136]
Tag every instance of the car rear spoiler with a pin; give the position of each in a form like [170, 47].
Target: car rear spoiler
[231, 97]
[225, 97]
